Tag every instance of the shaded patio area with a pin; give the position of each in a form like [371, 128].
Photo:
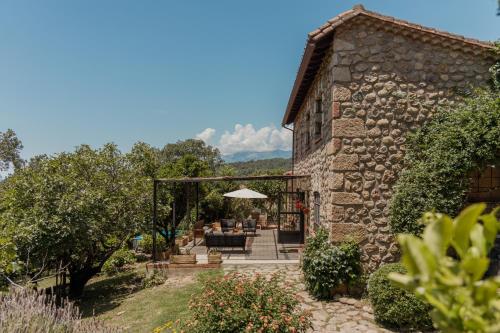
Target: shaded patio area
[263, 246]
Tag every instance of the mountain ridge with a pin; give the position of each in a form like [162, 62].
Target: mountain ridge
[246, 156]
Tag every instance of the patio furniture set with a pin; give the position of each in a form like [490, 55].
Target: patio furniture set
[229, 235]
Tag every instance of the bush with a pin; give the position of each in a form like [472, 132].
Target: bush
[394, 306]
[154, 279]
[118, 261]
[439, 158]
[147, 243]
[327, 266]
[23, 310]
[239, 303]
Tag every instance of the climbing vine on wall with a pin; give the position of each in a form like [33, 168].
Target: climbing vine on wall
[440, 156]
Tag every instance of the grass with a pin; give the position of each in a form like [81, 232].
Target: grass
[121, 302]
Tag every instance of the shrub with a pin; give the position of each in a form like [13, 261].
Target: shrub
[239, 303]
[439, 158]
[461, 298]
[118, 261]
[154, 279]
[23, 310]
[327, 266]
[147, 243]
[394, 306]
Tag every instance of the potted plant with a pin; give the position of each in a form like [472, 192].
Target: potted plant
[214, 256]
[179, 258]
[190, 235]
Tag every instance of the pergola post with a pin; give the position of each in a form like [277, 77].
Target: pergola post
[155, 216]
[197, 202]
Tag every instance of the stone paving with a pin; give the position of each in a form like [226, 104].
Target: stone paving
[344, 314]
[261, 246]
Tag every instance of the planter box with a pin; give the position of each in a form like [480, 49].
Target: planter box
[183, 259]
[214, 258]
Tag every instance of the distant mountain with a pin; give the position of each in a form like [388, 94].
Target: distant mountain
[253, 155]
[267, 166]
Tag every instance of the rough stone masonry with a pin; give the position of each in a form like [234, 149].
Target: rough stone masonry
[376, 83]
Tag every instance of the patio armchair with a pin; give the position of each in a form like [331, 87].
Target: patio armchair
[227, 224]
[250, 225]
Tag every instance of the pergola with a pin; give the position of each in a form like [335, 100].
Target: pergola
[196, 181]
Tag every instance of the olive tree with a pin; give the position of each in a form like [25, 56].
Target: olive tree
[74, 209]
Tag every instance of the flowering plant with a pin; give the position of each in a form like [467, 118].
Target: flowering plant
[241, 303]
[300, 205]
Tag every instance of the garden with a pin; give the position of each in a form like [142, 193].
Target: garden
[68, 224]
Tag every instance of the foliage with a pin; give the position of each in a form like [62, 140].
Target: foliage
[147, 244]
[238, 303]
[328, 266]
[271, 188]
[154, 279]
[118, 261]
[255, 167]
[462, 300]
[22, 310]
[10, 150]
[393, 306]
[439, 157]
[73, 209]
[197, 148]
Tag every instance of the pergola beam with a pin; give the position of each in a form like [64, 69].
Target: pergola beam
[229, 178]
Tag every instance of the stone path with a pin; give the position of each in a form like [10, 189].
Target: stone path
[347, 315]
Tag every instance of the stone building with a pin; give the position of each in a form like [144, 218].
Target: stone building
[364, 82]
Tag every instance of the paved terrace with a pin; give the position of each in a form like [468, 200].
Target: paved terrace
[263, 246]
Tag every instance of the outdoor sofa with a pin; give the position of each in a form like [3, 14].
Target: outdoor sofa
[219, 239]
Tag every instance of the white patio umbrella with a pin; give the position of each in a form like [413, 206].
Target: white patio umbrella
[245, 193]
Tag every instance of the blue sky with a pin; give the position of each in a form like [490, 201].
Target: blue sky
[75, 72]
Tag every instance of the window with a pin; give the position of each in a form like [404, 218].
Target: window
[317, 204]
[307, 136]
[318, 119]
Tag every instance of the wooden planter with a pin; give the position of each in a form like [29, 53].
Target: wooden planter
[183, 259]
[215, 258]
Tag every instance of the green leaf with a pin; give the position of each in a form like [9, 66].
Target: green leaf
[401, 279]
[462, 226]
[491, 228]
[438, 233]
[477, 239]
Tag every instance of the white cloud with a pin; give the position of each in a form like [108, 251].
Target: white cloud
[206, 135]
[247, 138]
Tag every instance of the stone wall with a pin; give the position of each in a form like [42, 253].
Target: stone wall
[377, 86]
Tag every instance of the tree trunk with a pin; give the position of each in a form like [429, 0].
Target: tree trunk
[78, 280]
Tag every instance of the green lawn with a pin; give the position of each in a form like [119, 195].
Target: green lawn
[121, 302]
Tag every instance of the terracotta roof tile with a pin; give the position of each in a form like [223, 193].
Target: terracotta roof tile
[300, 86]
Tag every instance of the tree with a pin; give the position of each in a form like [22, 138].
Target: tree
[174, 151]
[74, 209]
[10, 151]
[463, 300]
